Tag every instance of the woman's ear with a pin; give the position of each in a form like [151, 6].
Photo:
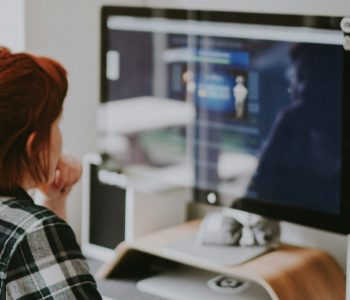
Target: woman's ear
[29, 145]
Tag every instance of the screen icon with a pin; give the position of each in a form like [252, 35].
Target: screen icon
[345, 24]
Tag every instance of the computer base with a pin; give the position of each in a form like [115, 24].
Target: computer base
[222, 255]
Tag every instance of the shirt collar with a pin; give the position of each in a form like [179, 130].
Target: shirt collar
[18, 192]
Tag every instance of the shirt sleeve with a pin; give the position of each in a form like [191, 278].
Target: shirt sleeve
[49, 264]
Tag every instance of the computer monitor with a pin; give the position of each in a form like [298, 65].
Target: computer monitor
[251, 110]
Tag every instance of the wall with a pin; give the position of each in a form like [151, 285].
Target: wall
[69, 31]
[12, 24]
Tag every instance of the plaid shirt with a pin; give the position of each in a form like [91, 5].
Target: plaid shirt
[39, 255]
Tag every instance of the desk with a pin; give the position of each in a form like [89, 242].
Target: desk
[285, 273]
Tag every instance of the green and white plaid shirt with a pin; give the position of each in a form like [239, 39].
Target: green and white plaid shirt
[39, 254]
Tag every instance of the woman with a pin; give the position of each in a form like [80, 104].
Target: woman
[39, 255]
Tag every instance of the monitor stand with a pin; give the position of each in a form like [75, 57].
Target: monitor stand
[284, 273]
[258, 236]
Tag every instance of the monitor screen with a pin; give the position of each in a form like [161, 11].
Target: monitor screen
[249, 114]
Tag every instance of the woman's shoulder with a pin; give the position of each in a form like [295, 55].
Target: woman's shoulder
[19, 218]
[47, 255]
[22, 214]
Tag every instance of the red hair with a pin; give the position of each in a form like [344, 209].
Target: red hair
[32, 91]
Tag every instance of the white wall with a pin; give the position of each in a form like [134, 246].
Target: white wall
[12, 24]
[69, 31]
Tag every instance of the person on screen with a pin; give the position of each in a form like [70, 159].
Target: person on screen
[189, 79]
[240, 93]
[39, 255]
[300, 160]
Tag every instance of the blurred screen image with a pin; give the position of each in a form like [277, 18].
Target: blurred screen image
[239, 116]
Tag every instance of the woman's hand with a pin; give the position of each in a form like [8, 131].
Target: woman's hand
[68, 173]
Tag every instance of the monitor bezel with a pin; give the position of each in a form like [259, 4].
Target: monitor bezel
[335, 223]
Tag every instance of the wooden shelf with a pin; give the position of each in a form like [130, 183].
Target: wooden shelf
[288, 273]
